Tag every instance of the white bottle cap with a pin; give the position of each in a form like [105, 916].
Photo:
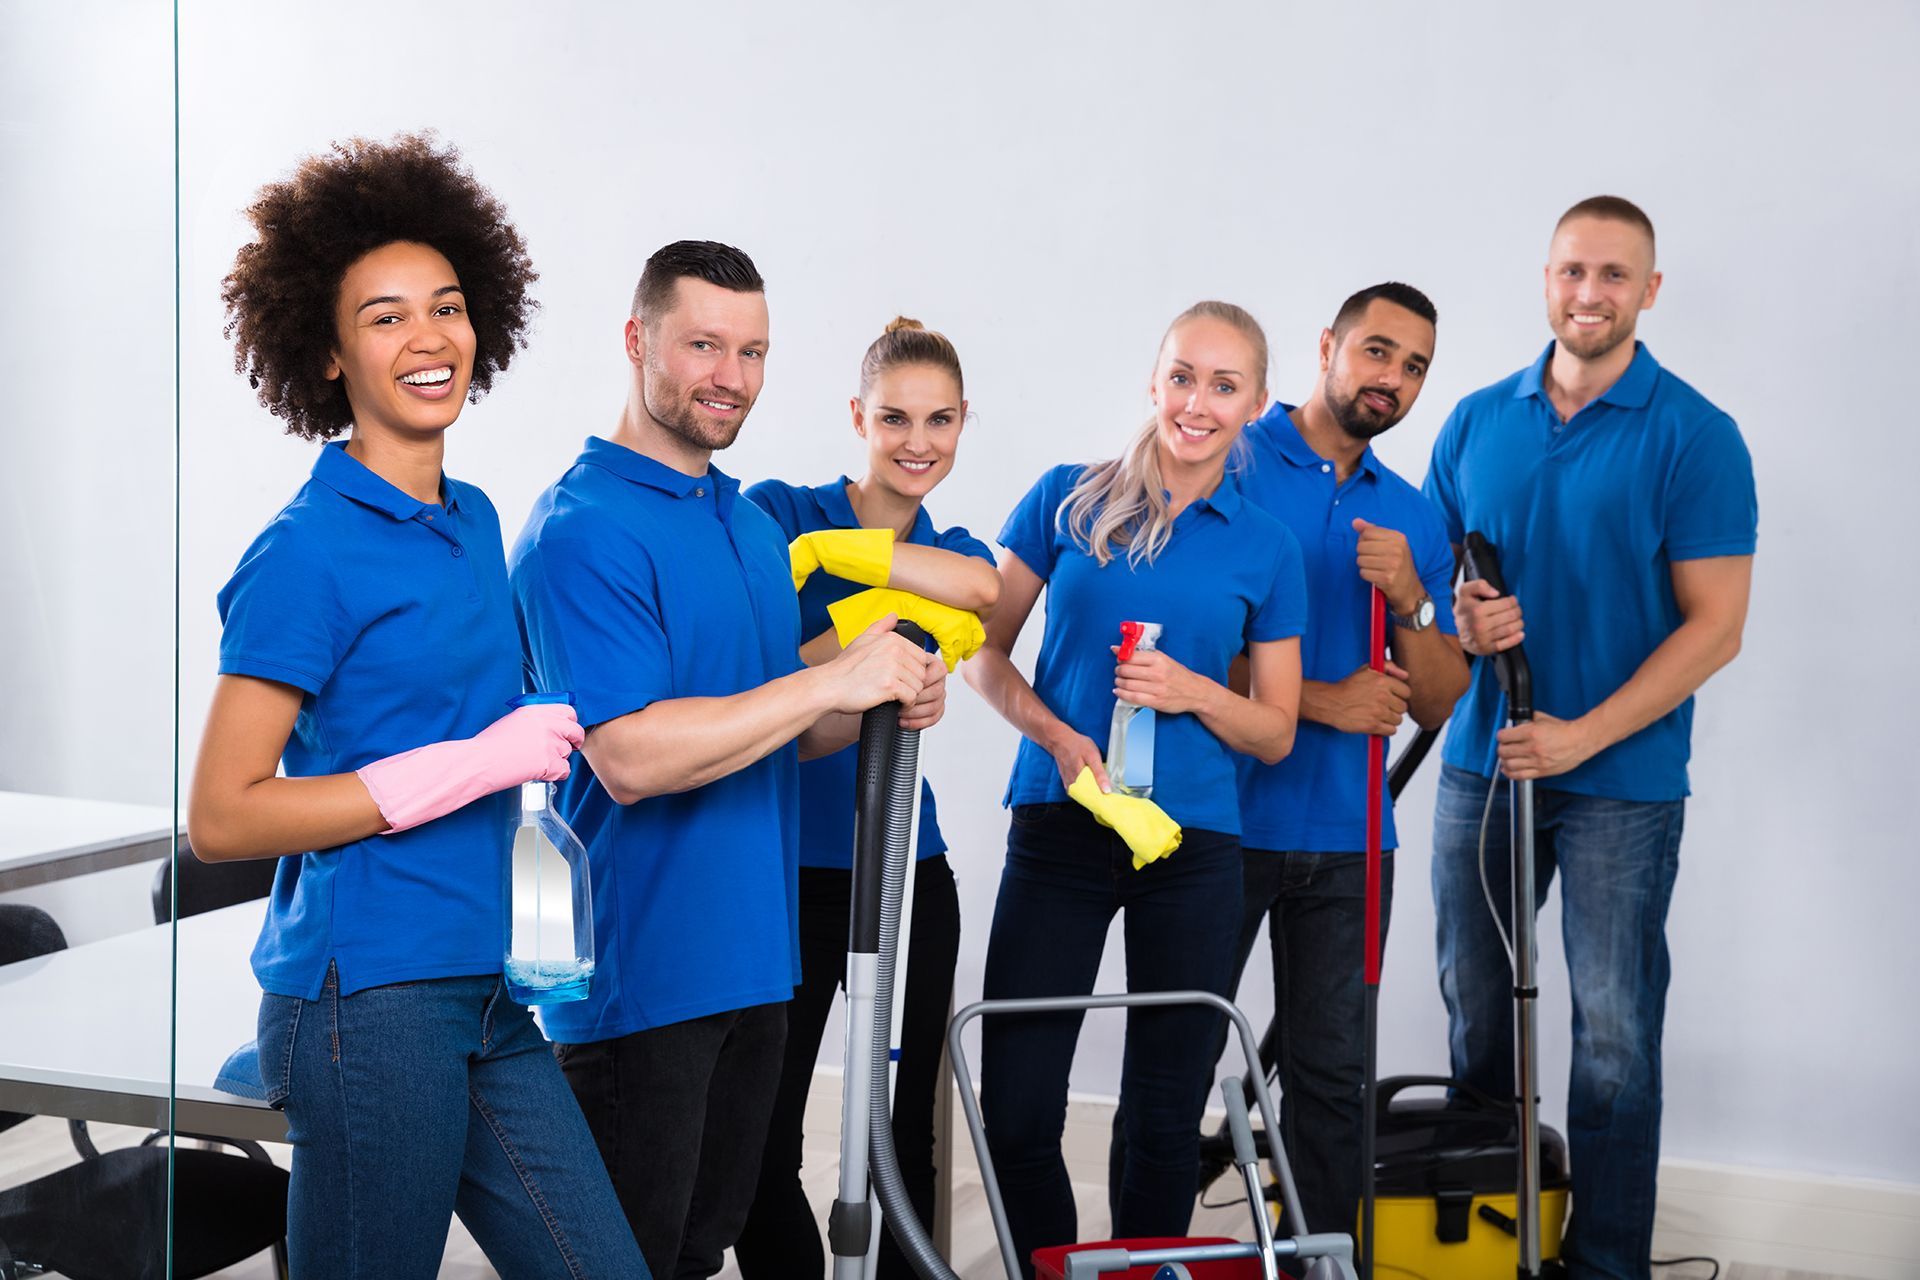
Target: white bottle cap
[533, 797]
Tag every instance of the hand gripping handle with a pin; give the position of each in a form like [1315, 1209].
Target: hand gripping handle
[1516, 677]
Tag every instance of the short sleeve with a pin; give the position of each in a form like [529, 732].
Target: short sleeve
[1712, 508]
[777, 499]
[1283, 614]
[1031, 531]
[281, 613]
[590, 625]
[960, 542]
[1442, 488]
[1433, 560]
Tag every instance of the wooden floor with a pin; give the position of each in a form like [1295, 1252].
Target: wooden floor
[42, 1145]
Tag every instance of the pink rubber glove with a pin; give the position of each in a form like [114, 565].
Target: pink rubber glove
[528, 744]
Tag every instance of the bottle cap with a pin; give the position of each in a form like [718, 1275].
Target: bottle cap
[533, 797]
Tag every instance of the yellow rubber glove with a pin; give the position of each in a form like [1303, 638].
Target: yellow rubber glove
[858, 555]
[957, 632]
[1144, 825]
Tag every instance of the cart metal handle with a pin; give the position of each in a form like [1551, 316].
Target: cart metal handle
[976, 1126]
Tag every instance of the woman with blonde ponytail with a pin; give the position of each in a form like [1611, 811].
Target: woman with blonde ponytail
[909, 410]
[1158, 535]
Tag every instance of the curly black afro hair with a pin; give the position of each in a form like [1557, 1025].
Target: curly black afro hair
[335, 209]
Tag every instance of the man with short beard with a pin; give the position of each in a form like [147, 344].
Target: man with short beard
[1621, 504]
[664, 604]
[1304, 820]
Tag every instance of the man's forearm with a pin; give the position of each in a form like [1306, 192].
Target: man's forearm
[1671, 674]
[682, 743]
[830, 733]
[1316, 701]
[1437, 672]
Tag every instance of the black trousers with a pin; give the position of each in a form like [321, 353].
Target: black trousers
[781, 1240]
[680, 1115]
[1314, 906]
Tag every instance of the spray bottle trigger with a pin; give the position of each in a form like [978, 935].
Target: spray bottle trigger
[1130, 634]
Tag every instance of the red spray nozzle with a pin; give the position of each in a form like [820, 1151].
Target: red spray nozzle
[1130, 633]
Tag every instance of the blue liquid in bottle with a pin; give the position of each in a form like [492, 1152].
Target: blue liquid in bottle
[549, 952]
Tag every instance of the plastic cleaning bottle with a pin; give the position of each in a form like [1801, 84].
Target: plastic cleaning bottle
[549, 945]
[1130, 741]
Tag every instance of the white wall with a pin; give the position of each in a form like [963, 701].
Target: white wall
[1049, 184]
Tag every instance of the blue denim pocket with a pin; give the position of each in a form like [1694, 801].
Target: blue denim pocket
[278, 1024]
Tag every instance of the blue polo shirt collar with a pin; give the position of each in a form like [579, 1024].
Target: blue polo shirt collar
[1224, 501]
[1631, 390]
[1294, 447]
[637, 467]
[839, 512]
[347, 476]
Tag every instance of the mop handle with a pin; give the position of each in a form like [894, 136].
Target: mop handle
[1376, 776]
[1516, 676]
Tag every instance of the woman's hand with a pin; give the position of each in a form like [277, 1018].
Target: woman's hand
[1151, 679]
[1073, 752]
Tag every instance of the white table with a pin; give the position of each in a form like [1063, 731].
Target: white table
[84, 1032]
[47, 838]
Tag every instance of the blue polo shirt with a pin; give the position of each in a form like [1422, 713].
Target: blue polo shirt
[392, 618]
[1230, 575]
[636, 583]
[827, 784]
[1588, 517]
[1316, 799]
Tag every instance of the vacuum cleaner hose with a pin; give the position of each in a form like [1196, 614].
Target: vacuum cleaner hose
[889, 777]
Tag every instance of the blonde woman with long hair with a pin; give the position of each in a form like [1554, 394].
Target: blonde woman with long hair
[1162, 535]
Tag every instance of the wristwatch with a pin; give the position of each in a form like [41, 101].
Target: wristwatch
[1419, 620]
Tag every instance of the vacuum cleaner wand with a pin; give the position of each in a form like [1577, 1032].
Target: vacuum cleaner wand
[888, 784]
[1516, 677]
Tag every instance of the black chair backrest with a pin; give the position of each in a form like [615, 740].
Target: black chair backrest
[26, 932]
[208, 886]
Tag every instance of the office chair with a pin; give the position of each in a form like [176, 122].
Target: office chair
[208, 886]
[105, 1217]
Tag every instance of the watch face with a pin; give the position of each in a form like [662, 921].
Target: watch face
[1424, 614]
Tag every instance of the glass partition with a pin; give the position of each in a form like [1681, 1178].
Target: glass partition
[88, 798]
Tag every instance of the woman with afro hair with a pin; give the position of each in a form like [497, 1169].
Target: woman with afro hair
[369, 646]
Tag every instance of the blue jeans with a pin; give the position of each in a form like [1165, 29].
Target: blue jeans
[409, 1103]
[1616, 860]
[1065, 878]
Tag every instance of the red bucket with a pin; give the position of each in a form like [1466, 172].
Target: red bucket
[1051, 1263]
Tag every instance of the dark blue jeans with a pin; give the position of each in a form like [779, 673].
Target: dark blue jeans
[1065, 878]
[1616, 861]
[409, 1103]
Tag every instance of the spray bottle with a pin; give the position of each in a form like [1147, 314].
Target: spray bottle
[1130, 741]
[549, 899]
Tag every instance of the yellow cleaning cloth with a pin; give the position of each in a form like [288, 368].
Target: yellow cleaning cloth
[858, 555]
[958, 632]
[1144, 825]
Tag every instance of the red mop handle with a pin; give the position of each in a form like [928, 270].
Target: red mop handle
[1376, 775]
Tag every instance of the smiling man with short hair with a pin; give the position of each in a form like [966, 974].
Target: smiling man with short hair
[1621, 504]
[647, 588]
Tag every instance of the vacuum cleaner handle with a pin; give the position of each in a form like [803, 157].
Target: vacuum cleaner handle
[879, 728]
[1404, 765]
[1516, 677]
